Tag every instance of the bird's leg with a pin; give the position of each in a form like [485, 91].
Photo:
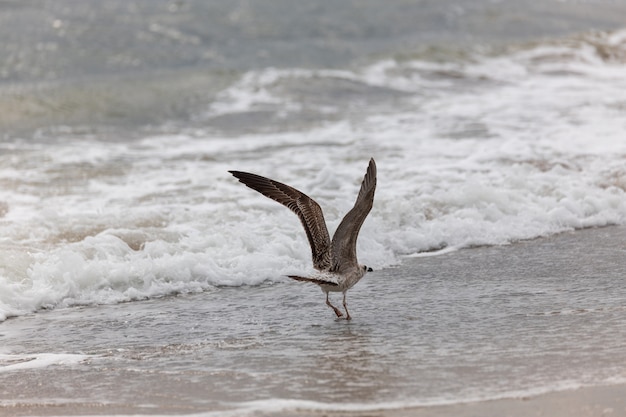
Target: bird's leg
[337, 312]
[345, 306]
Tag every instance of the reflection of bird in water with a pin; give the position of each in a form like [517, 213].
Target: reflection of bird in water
[336, 260]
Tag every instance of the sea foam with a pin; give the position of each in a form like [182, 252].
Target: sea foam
[9, 363]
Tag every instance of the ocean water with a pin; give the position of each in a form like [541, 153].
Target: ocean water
[470, 325]
[490, 125]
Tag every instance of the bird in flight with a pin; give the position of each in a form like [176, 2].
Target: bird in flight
[335, 259]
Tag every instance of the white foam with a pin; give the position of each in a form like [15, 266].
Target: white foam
[9, 363]
[509, 147]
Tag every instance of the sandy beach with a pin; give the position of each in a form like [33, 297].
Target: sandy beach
[601, 401]
[583, 402]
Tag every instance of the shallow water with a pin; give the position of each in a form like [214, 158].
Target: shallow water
[474, 324]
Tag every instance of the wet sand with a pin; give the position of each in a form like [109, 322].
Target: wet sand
[583, 402]
[601, 401]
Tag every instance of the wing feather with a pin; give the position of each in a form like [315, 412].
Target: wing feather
[344, 240]
[315, 280]
[307, 210]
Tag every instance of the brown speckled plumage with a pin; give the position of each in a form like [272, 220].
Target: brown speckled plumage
[336, 259]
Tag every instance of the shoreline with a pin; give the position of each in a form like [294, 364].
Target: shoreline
[591, 401]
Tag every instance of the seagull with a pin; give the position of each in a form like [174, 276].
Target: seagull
[335, 259]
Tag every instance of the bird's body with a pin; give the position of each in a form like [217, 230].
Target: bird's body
[335, 259]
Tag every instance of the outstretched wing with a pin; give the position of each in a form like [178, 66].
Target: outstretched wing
[309, 212]
[344, 240]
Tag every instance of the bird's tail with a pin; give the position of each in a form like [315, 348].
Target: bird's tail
[317, 281]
